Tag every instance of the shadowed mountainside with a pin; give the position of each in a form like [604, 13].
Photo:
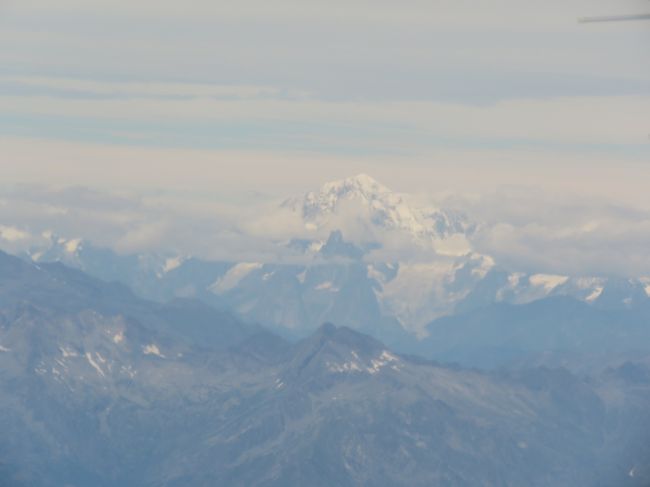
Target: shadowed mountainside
[98, 387]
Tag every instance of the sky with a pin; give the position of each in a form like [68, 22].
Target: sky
[504, 101]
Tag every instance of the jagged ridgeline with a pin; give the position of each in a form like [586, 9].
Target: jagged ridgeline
[100, 387]
[377, 261]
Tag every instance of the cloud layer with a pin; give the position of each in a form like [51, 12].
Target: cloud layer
[521, 228]
[181, 115]
[369, 78]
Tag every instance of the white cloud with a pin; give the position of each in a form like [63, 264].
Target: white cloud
[523, 229]
[140, 89]
[229, 174]
[355, 49]
[550, 233]
[144, 237]
[12, 234]
[234, 276]
[576, 120]
[235, 97]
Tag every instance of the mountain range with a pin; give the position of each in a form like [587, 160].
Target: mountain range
[102, 387]
[366, 258]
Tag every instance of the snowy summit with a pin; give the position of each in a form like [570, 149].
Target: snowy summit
[363, 202]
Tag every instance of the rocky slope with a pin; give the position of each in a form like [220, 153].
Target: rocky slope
[98, 387]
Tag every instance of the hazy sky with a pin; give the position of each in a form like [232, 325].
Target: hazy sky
[179, 112]
[278, 95]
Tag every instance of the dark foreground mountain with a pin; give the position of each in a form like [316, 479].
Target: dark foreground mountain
[99, 388]
[553, 331]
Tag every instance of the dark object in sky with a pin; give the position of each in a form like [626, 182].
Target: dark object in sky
[614, 18]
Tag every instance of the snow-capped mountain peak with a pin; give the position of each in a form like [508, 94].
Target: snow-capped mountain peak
[363, 202]
[361, 188]
[361, 184]
[52, 247]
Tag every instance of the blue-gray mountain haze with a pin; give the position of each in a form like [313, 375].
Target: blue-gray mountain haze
[165, 369]
[102, 388]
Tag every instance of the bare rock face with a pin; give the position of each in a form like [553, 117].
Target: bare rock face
[355, 253]
[98, 387]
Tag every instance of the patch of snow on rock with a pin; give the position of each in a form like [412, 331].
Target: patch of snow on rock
[594, 295]
[327, 286]
[172, 263]
[345, 367]
[379, 363]
[67, 352]
[234, 275]
[152, 349]
[12, 234]
[118, 337]
[71, 246]
[547, 281]
[94, 364]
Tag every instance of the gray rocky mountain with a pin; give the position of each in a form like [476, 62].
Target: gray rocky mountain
[99, 387]
[350, 264]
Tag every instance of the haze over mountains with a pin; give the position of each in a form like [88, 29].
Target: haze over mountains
[100, 387]
[442, 367]
[324, 244]
[357, 255]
